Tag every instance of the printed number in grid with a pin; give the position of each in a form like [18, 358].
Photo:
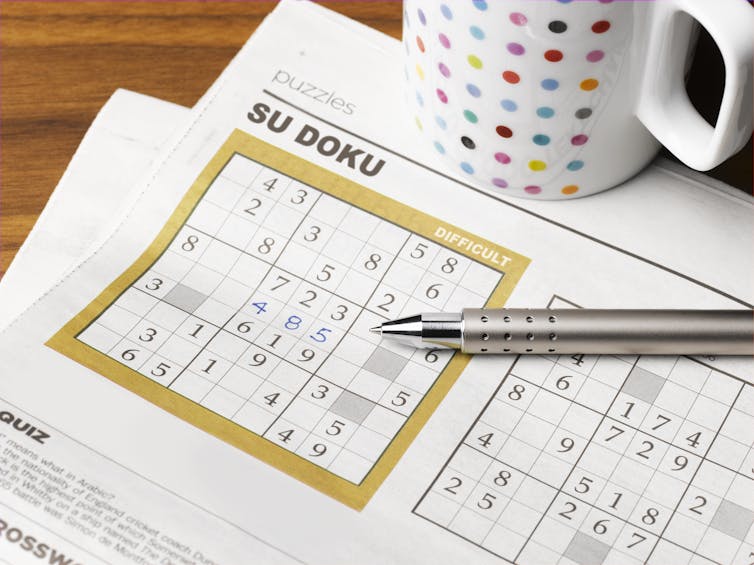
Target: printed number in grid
[259, 308]
[599, 459]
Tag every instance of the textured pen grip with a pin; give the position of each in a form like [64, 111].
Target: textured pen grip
[669, 332]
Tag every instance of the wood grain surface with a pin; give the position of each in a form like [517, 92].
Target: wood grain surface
[62, 60]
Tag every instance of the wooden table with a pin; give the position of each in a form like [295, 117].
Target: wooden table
[62, 60]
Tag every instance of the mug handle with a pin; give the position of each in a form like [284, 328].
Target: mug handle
[664, 106]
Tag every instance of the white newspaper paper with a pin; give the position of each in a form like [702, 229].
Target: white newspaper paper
[94, 471]
[124, 138]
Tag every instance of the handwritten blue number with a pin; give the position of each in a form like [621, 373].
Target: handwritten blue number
[320, 336]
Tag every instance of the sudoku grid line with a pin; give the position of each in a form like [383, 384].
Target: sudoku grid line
[644, 433]
[249, 317]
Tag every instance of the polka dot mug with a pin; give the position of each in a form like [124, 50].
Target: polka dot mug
[556, 99]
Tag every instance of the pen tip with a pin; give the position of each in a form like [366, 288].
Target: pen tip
[376, 330]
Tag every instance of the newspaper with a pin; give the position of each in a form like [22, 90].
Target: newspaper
[100, 472]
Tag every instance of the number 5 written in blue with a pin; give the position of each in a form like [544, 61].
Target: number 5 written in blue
[321, 335]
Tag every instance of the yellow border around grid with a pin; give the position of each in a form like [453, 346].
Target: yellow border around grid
[355, 496]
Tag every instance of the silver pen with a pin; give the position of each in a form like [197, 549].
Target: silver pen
[543, 331]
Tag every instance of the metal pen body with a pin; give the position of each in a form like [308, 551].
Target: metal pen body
[543, 331]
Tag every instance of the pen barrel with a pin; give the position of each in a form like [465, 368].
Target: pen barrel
[653, 332]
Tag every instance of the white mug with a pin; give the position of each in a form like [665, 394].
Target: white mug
[556, 99]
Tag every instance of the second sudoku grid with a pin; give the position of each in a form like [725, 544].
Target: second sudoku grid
[581, 459]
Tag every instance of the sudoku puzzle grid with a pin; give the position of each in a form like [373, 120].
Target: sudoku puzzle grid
[605, 459]
[259, 308]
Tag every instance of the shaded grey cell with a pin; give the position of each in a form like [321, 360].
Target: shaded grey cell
[352, 407]
[643, 385]
[185, 298]
[732, 519]
[385, 363]
[586, 550]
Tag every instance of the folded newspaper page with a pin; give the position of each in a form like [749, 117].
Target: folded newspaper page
[204, 388]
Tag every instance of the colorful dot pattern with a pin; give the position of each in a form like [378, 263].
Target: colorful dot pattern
[528, 144]
[476, 32]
